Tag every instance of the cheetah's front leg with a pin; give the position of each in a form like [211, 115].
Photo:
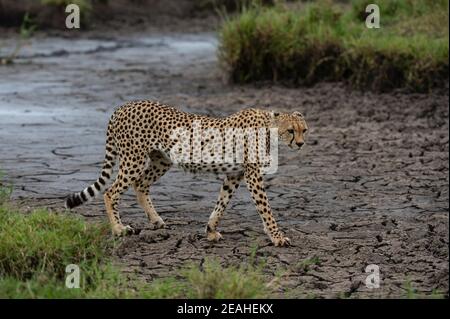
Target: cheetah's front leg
[255, 185]
[230, 184]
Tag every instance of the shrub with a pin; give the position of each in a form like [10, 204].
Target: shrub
[322, 41]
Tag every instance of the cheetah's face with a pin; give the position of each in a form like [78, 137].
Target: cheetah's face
[292, 128]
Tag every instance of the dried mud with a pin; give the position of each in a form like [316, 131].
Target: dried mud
[370, 187]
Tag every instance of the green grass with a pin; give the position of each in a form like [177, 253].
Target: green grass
[46, 242]
[211, 281]
[5, 190]
[36, 247]
[108, 283]
[323, 41]
[215, 281]
[305, 265]
[411, 292]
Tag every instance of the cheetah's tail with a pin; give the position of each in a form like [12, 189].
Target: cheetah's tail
[93, 190]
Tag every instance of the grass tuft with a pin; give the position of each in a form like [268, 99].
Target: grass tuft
[305, 265]
[211, 280]
[214, 281]
[326, 42]
[44, 243]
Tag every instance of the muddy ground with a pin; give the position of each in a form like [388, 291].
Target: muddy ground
[370, 187]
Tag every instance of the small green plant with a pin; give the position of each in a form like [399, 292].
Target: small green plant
[305, 265]
[163, 288]
[26, 30]
[253, 251]
[216, 281]
[436, 294]
[411, 292]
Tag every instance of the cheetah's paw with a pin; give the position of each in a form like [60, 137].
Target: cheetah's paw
[158, 223]
[281, 241]
[214, 236]
[121, 230]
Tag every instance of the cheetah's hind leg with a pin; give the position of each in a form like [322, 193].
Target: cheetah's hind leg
[230, 184]
[124, 179]
[157, 167]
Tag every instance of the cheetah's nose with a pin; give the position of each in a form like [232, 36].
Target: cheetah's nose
[300, 144]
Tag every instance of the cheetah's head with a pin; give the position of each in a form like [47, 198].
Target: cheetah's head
[292, 128]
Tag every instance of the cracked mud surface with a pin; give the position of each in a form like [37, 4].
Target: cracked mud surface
[370, 187]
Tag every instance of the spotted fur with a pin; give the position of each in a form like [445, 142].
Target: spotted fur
[140, 134]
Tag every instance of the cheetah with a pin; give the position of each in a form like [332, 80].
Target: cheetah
[141, 135]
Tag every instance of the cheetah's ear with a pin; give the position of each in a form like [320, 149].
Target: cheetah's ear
[298, 114]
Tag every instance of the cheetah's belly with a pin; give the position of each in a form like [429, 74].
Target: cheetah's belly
[215, 168]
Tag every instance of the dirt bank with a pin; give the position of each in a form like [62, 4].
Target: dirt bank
[371, 187]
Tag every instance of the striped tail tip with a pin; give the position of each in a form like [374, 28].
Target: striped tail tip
[73, 200]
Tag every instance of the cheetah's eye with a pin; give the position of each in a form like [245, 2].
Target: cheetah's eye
[305, 130]
[290, 131]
